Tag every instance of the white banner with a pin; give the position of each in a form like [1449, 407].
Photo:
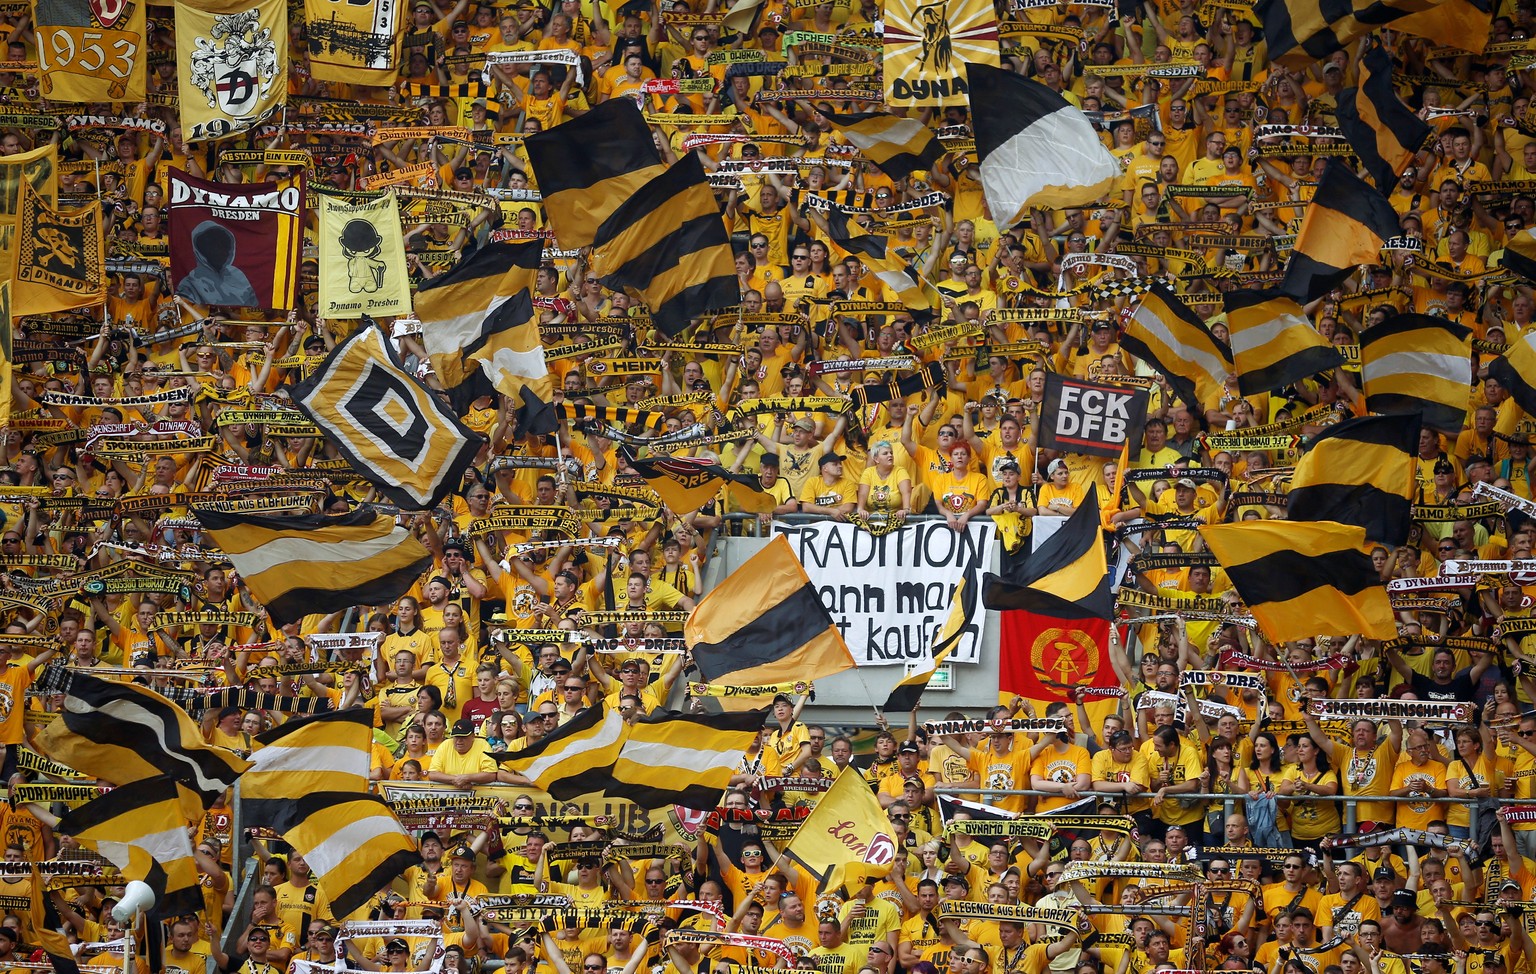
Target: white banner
[889, 595]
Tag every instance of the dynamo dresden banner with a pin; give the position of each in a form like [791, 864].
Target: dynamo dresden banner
[39, 168]
[1087, 417]
[889, 595]
[928, 42]
[362, 258]
[231, 65]
[353, 42]
[90, 51]
[59, 258]
[236, 245]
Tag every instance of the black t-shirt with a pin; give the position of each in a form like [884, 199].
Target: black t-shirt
[1459, 687]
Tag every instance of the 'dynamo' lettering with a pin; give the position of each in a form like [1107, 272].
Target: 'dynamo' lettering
[922, 88]
[284, 200]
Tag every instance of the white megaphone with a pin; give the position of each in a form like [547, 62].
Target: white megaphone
[138, 896]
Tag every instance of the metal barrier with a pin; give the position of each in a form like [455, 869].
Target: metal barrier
[751, 521]
[1229, 801]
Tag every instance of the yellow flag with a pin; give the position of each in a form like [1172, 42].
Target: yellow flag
[847, 837]
[231, 65]
[927, 44]
[40, 170]
[59, 258]
[362, 258]
[354, 42]
[90, 52]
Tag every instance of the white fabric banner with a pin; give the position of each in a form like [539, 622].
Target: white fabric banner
[889, 595]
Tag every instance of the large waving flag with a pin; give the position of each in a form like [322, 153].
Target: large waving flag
[1273, 342]
[1346, 225]
[1384, 132]
[846, 838]
[683, 759]
[389, 426]
[765, 624]
[897, 146]
[896, 273]
[575, 760]
[1413, 363]
[1302, 579]
[480, 328]
[1055, 609]
[1300, 32]
[1363, 472]
[1033, 147]
[309, 782]
[1166, 334]
[962, 607]
[139, 828]
[1516, 370]
[123, 733]
[292, 564]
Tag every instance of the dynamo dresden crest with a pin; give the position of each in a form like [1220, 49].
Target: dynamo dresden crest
[238, 67]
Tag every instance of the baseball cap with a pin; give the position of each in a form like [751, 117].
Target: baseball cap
[956, 881]
[463, 727]
[1055, 465]
[396, 944]
[1186, 482]
[462, 851]
[1384, 872]
[805, 424]
[909, 747]
[827, 458]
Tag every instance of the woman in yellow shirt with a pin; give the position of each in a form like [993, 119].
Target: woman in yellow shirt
[963, 493]
[1470, 774]
[1311, 820]
[883, 489]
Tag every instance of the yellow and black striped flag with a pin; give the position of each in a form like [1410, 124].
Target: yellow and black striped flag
[44, 919]
[683, 759]
[1461, 24]
[139, 828]
[899, 275]
[580, 410]
[292, 564]
[667, 243]
[1520, 253]
[575, 760]
[1346, 225]
[1167, 335]
[1414, 363]
[1302, 579]
[389, 426]
[765, 624]
[1384, 132]
[897, 146]
[688, 483]
[123, 733]
[1363, 472]
[309, 782]
[481, 330]
[1300, 32]
[1273, 342]
[905, 695]
[587, 167]
[1516, 370]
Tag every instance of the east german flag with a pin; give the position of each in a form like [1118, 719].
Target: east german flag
[1273, 342]
[1415, 363]
[1384, 132]
[1346, 225]
[1362, 472]
[1302, 579]
[1055, 611]
[293, 564]
[765, 624]
[897, 146]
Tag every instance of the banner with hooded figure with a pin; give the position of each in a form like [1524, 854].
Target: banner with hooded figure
[231, 65]
[90, 51]
[59, 258]
[236, 245]
[362, 258]
[353, 42]
[928, 42]
[39, 169]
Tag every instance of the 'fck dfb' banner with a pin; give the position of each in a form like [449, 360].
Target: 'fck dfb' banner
[90, 52]
[928, 42]
[1085, 417]
[236, 245]
[231, 64]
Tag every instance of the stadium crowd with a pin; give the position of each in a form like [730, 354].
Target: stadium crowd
[1237, 789]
